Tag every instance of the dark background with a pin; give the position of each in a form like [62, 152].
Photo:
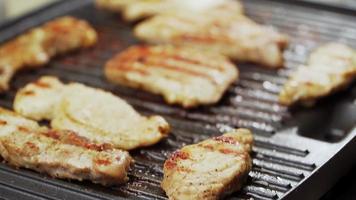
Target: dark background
[344, 189]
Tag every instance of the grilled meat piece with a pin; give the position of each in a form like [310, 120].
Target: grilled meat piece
[331, 67]
[138, 9]
[39, 99]
[183, 76]
[61, 154]
[35, 48]
[235, 36]
[92, 113]
[210, 169]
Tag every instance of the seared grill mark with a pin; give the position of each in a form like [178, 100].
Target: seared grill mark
[165, 65]
[241, 154]
[124, 62]
[225, 139]
[133, 54]
[32, 146]
[23, 129]
[126, 67]
[227, 151]
[143, 55]
[144, 51]
[207, 146]
[196, 62]
[198, 38]
[3, 123]
[175, 157]
[52, 134]
[138, 53]
[72, 138]
[42, 84]
[207, 38]
[29, 93]
[104, 162]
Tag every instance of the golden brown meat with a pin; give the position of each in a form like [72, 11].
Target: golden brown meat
[235, 36]
[92, 113]
[331, 67]
[61, 154]
[210, 169]
[183, 76]
[36, 47]
[137, 9]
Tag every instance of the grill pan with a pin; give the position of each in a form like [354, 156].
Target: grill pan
[298, 153]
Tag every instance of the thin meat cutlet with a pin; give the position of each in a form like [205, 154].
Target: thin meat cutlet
[60, 154]
[235, 36]
[183, 76]
[93, 113]
[330, 68]
[36, 47]
[210, 169]
[133, 10]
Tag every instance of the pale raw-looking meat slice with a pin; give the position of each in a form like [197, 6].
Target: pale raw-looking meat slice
[236, 36]
[133, 10]
[331, 67]
[93, 113]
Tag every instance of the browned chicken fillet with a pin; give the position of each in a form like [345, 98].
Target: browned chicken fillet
[210, 169]
[235, 36]
[61, 154]
[183, 76]
[136, 9]
[92, 113]
[36, 47]
[331, 67]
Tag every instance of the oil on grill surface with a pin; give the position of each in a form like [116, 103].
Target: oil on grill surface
[250, 103]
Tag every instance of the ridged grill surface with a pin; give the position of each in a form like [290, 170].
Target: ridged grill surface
[251, 103]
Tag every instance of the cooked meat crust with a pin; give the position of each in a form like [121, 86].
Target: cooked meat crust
[183, 76]
[235, 36]
[61, 154]
[133, 10]
[92, 113]
[36, 47]
[330, 68]
[210, 169]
